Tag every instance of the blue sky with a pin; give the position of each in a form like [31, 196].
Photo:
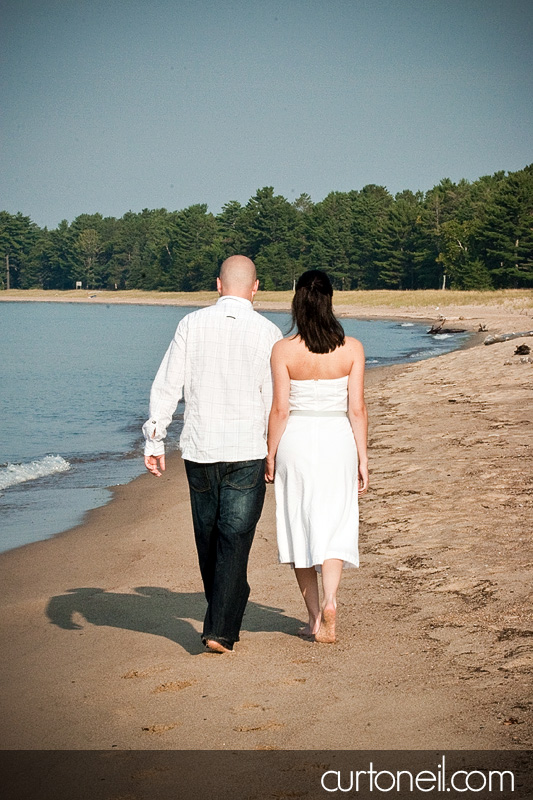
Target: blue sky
[118, 105]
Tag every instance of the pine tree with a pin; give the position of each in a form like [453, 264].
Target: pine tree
[508, 231]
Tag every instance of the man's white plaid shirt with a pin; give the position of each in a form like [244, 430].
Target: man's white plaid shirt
[219, 360]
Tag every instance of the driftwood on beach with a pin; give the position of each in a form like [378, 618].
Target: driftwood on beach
[504, 337]
[438, 327]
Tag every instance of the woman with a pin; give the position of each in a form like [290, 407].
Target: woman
[317, 458]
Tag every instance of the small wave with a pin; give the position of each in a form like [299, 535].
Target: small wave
[12, 474]
[442, 335]
[407, 325]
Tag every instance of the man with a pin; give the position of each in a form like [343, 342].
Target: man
[219, 359]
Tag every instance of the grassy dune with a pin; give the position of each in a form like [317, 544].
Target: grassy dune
[514, 300]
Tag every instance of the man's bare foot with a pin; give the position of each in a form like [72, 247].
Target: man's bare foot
[326, 632]
[308, 631]
[215, 647]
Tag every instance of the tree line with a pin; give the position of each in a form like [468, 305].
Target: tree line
[465, 235]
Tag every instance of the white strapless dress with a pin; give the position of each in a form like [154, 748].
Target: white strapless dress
[316, 485]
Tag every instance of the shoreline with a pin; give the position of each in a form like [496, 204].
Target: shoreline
[495, 311]
[82, 516]
[434, 644]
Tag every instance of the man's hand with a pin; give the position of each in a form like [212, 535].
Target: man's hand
[155, 465]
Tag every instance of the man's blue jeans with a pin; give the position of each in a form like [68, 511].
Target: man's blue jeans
[226, 500]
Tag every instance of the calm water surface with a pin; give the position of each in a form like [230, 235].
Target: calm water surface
[75, 382]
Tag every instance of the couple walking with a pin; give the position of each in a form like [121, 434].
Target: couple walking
[240, 378]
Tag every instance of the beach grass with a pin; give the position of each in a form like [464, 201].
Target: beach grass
[119, 296]
[514, 300]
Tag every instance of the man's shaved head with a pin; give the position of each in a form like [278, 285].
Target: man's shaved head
[238, 277]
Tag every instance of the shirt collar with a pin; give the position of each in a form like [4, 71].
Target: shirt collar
[242, 300]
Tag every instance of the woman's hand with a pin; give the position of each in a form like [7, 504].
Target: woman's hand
[363, 478]
[270, 469]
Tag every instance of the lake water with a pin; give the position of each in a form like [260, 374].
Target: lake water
[75, 383]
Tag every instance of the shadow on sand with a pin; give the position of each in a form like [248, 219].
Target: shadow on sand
[156, 610]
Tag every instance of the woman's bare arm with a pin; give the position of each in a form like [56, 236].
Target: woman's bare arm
[357, 412]
[279, 413]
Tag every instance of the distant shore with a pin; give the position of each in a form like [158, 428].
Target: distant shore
[99, 625]
[494, 310]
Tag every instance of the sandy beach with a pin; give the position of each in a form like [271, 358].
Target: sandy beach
[100, 625]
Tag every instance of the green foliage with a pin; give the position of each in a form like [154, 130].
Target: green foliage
[471, 235]
[507, 231]
[18, 237]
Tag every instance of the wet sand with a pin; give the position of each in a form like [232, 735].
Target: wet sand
[100, 625]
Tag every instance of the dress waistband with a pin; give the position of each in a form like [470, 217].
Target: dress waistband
[301, 412]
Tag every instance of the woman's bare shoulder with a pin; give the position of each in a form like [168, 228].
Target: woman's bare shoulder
[284, 344]
[283, 347]
[354, 345]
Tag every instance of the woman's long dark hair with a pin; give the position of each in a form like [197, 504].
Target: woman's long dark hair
[312, 313]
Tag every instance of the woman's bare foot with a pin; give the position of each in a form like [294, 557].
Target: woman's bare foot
[215, 647]
[326, 632]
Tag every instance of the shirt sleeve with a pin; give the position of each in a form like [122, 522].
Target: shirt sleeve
[167, 390]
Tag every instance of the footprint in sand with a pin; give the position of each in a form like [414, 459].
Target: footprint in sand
[286, 682]
[266, 747]
[520, 659]
[146, 673]
[159, 728]
[248, 707]
[267, 726]
[173, 686]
